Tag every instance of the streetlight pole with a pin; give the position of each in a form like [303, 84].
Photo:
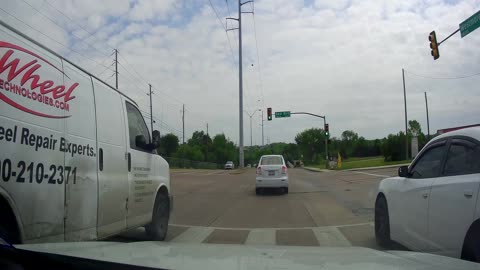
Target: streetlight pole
[428, 120]
[251, 115]
[263, 142]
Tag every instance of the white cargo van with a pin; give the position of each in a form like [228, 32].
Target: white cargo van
[77, 161]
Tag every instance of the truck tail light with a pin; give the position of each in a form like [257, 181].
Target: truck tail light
[259, 170]
[284, 169]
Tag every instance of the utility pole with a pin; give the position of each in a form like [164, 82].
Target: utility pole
[116, 69]
[151, 109]
[326, 139]
[405, 101]
[183, 124]
[428, 120]
[240, 79]
[206, 142]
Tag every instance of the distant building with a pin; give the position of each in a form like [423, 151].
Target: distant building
[445, 130]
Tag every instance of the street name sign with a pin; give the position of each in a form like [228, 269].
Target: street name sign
[282, 114]
[470, 24]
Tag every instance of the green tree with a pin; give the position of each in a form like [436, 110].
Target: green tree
[188, 152]
[393, 147]
[311, 143]
[349, 140]
[414, 128]
[223, 150]
[168, 144]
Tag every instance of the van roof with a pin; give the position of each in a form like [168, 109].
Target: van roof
[63, 58]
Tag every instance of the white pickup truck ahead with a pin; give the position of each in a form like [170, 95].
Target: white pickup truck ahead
[77, 161]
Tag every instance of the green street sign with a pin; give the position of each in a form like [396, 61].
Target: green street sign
[282, 114]
[470, 24]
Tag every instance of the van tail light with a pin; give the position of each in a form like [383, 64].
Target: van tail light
[259, 170]
[284, 169]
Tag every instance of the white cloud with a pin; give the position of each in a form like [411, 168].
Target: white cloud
[336, 5]
[151, 9]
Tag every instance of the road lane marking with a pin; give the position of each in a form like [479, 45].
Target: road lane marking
[372, 174]
[193, 235]
[330, 237]
[261, 237]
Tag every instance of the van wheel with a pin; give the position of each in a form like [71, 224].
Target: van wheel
[157, 229]
[8, 227]
[382, 222]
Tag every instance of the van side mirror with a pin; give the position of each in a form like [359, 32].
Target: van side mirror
[403, 171]
[140, 141]
[156, 138]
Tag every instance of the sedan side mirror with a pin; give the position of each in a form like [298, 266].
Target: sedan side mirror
[403, 171]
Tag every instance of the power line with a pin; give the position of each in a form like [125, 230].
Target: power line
[63, 45]
[224, 28]
[61, 27]
[140, 79]
[443, 78]
[73, 21]
[258, 56]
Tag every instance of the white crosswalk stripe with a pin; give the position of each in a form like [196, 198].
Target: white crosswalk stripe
[261, 237]
[327, 236]
[193, 235]
[330, 237]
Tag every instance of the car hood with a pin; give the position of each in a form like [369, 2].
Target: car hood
[214, 256]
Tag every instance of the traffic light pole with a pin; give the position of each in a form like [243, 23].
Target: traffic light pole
[324, 124]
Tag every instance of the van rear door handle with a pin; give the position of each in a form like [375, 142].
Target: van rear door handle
[468, 193]
[129, 162]
[100, 159]
[425, 195]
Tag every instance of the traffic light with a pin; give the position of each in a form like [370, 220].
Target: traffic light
[433, 45]
[269, 114]
[327, 133]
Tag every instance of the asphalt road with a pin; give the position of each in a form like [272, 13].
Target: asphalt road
[321, 209]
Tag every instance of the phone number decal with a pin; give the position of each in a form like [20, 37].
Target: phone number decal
[36, 172]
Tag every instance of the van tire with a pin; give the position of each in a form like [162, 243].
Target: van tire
[157, 229]
[9, 230]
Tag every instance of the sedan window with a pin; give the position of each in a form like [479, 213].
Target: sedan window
[463, 158]
[428, 165]
[272, 161]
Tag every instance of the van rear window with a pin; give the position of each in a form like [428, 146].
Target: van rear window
[272, 161]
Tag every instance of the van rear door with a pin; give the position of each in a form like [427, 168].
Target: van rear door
[112, 163]
[79, 174]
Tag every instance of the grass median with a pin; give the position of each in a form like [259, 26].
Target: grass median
[365, 162]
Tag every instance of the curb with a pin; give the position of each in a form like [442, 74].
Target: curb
[377, 167]
[316, 170]
[239, 171]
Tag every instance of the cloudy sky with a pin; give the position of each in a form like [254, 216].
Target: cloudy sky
[341, 58]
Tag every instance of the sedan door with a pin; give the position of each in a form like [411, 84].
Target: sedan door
[453, 198]
[408, 204]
